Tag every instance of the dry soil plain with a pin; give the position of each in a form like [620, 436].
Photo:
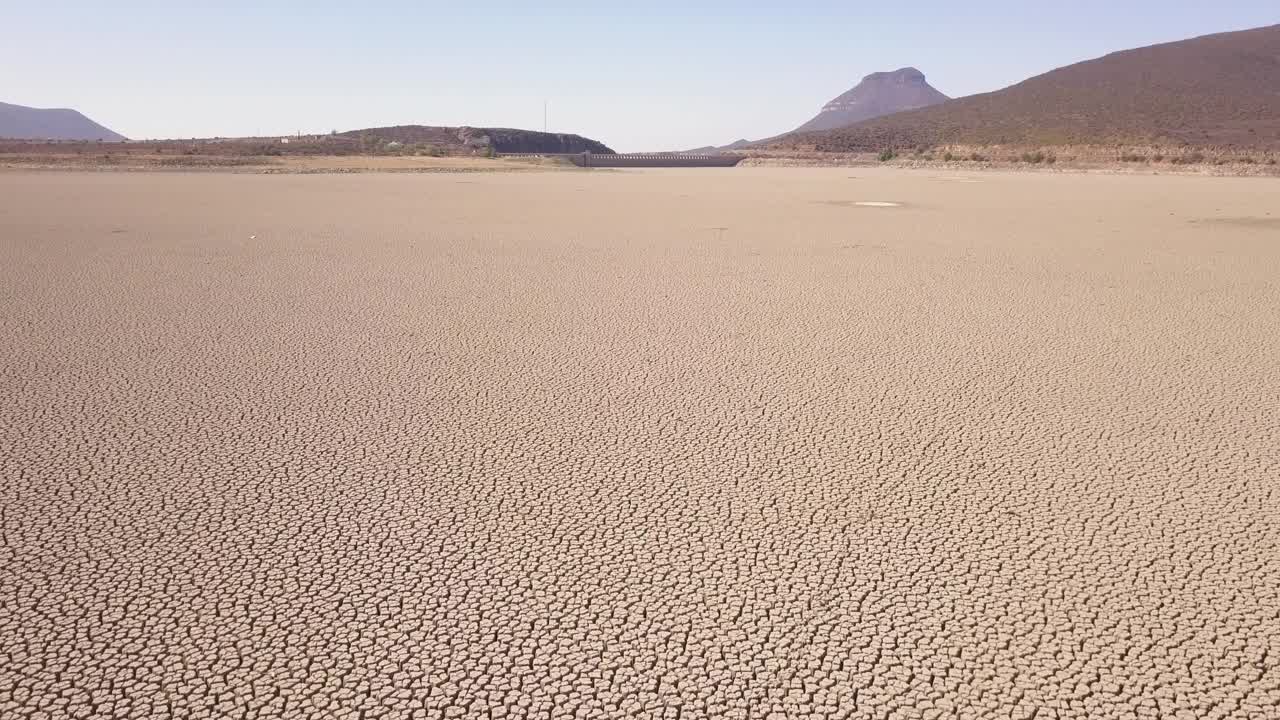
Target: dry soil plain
[659, 444]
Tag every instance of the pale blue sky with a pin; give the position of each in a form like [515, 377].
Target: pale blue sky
[638, 76]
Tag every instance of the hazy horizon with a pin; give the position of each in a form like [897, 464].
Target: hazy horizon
[667, 76]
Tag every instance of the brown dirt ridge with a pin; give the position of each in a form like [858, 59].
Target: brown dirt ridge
[380, 142]
[755, 444]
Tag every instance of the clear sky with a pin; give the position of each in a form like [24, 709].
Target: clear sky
[636, 75]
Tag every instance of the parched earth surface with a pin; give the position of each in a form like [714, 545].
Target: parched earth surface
[665, 444]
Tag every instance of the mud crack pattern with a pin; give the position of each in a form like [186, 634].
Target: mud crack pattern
[546, 447]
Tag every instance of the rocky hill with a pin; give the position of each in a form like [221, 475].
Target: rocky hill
[1217, 90]
[877, 94]
[882, 93]
[506, 140]
[18, 122]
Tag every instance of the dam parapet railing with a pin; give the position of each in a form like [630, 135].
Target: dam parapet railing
[623, 160]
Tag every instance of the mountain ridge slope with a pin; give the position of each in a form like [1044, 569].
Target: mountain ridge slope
[1220, 89]
[19, 122]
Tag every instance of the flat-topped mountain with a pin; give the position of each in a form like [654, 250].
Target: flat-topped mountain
[18, 122]
[882, 93]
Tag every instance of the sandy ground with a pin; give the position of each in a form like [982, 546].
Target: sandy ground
[656, 444]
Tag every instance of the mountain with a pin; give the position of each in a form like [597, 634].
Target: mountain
[505, 140]
[713, 149]
[524, 141]
[18, 122]
[882, 93]
[1219, 90]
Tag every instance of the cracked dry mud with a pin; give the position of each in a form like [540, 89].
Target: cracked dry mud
[547, 446]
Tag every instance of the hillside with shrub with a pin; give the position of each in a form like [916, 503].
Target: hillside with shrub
[452, 139]
[1220, 91]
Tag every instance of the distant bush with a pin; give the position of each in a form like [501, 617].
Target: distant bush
[1271, 161]
[949, 157]
[1034, 158]
[976, 157]
[888, 155]
[1157, 158]
[1132, 157]
[187, 161]
[427, 150]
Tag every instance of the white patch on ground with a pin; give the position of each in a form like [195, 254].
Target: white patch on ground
[877, 203]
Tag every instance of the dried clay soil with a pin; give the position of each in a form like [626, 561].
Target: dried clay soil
[689, 443]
